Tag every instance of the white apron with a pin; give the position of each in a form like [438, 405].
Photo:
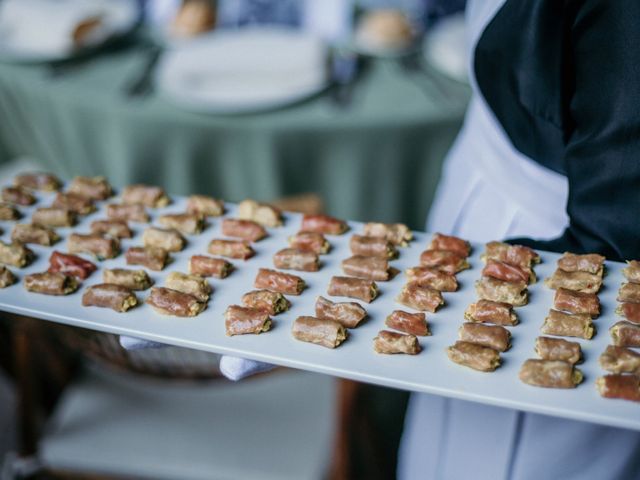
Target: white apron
[490, 191]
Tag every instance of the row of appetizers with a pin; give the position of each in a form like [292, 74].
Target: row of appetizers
[507, 272]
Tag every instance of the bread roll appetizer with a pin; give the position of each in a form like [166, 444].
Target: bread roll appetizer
[292, 259]
[245, 229]
[128, 213]
[632, 271]
[310, 242]
[131, 279]
[387, 342]
[245, 320]
[262, 213]
[171, 302]
[323, 224]
[625, 334]
[624, 387]
[73, 202]
[153, 258]
[328, 333]
[7, 278]
[205, 206]
[168, 239]
[568, 325]
[420, 297]
[450, 243]
[147, 195]
[477, 357]
[550, 374]
[70, 265]
[576, 302]
[231, 248]
[396, 233]
[508, 273]
[372, 247]
[113, 228]
[38, 181]
[358, 288]
[549, 348]
[630, 311]
[100, 247]
[18, 196]
[629, 292]
[191, 284]
[9, 212]
[94, 188]
[413, 323]
[487, 311]
[506, 292]
[51, 283]
[444, 260]
[15, 254]
[370, 268]
[209, 267]
[271, 302]
[279, 282]
[37, 234]
[517, 255]
[53, 217]
[492, 336]
[577, 281]
[109, 295]
[432, 277]
[590, 263]
[348, 314]
[620, 360]
[189, 223]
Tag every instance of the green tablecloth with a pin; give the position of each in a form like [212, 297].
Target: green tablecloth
[378, 159]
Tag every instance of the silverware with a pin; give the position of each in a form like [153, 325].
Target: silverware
[142, 84]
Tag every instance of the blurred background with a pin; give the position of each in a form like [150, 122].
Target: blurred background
[341, 106]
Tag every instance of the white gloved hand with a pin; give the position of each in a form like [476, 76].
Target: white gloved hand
[234, 368]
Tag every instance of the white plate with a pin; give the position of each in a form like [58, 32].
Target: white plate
[243, 70]
[44, 41]
[430, 371]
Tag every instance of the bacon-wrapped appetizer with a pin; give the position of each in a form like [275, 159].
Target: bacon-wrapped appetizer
[7, 278]
[128, 213]
[96, 245]
[444, 260]
[191, 284]
[38, 181]
[432, 277]
[349, 314]
[245, 320]
[372, 247]
[549, 348]
[568, 325]
[205, 206]
[189, 223]
[590, 263]
[53, 217]
[73, 202]
[167, 238]
[112, 228]
[508, 273]
[171, 302]
[550, 373]
[620, 360]
[30, 233]
[131, 279]
[51, 283]
[231, 249]
[514, 293]
[396, 233]
[70, 265]
[450, 243]
[153, 258]
[18, 196]
[9, 212]
[245, 229]
[625, 387]
[209, 267]
[15, 254]
[388, 342]
[625, 334]
[517, 255]
[310, 242]
[109, 295]
[629, 292]
[413, 323]
[487, 311]
[359, 288]
[630, 311]
[483, 359]
[371, 268]
[576, 302]
[147, 195]
[577, 281]
[292, 259]
[420, 297]
[492, 336]
[279, 282]
[94, 188]
[271, 302]
[262, 213]
[324, 224]
[632, 271]
[320, 331]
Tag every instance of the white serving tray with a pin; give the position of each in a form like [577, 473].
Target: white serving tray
[429, 372]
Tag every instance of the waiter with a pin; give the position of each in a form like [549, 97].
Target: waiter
[550, 149]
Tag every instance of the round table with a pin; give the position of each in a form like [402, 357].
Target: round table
[378, 157]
